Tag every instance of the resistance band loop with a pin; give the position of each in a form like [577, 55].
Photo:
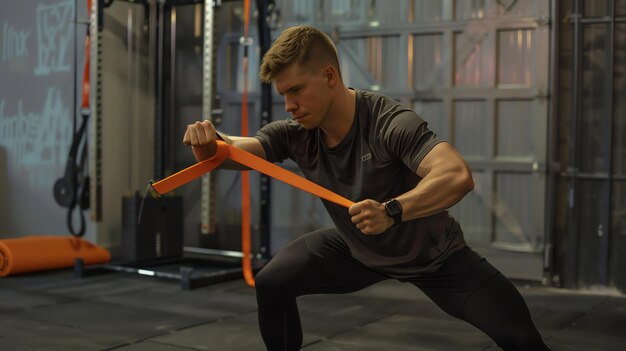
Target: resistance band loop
[249, 160]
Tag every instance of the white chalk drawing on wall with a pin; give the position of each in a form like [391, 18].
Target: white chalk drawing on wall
[37, 142]
[14, 43]
[54, 34]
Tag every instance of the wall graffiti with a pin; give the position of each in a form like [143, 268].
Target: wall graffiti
[37, 139]
[54, 34]
[37, 109]
[14, 43]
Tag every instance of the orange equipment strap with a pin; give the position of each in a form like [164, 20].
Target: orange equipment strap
[249, 160]
[85, 88]
[190, 173]
[246, 246]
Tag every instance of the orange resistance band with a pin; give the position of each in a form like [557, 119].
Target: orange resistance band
[188, 174]
[246, 247]
[249, 160]
[85, 89]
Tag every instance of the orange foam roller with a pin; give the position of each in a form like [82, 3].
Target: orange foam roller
[38, 253]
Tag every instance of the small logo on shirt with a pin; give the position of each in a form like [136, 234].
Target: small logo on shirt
[366, 157]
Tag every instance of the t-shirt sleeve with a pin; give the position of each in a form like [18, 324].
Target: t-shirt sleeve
[407, 137]
[274, 138]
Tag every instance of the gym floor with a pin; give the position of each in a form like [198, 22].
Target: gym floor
[124, 311]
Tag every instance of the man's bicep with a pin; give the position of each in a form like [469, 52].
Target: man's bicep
[442, 154]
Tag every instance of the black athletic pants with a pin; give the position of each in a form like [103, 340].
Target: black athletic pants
[466, 287]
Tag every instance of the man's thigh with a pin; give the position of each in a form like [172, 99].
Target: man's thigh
[319, 262]
[463, 273]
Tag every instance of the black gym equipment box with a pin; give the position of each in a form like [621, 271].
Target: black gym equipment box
[152, 245]
[152, 228]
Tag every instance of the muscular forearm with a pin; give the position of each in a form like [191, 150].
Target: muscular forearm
[444, 186]
[441, 188]
[446, 178]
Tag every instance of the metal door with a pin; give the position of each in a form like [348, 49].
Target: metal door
[487, 79]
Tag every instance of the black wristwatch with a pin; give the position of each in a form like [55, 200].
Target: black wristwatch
[394, 210]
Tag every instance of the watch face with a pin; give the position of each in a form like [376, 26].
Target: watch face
[394, 210]
[393, 207]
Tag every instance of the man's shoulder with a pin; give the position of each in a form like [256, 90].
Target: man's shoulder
[385, 110]
[380, 104]
[287, 124]
[284, 129]
[374, 97]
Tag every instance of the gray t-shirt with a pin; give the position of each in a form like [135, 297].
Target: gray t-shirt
[376, 160]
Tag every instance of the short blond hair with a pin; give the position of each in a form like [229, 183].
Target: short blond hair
[307, 46]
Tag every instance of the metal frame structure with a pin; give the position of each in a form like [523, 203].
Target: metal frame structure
[265, 101]
[208, 83]
[162, 50]
[265, 41]
[95, 101]
[592, 268]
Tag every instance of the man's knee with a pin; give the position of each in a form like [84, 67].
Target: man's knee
[270, 281]
[285, 271]
[263, 281]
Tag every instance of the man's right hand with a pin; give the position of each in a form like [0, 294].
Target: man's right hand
[201, 136]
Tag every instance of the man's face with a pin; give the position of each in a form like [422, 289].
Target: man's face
[306, 93]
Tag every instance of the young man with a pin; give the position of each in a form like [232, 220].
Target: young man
[372, 150]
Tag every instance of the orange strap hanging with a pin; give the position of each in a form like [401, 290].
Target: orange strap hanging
[85, 89]
[249, 160]
[245, 176]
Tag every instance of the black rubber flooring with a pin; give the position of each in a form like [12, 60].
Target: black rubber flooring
[121, 311]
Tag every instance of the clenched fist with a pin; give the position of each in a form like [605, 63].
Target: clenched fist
[369, 217]
[201, 136]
